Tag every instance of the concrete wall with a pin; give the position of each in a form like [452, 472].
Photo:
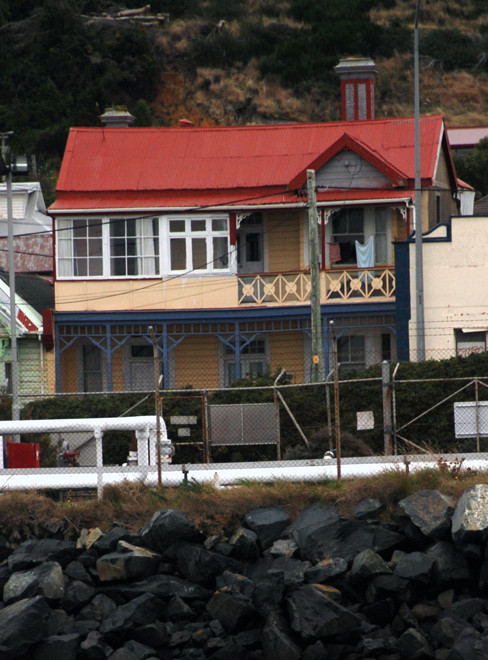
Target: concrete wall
[455, 273]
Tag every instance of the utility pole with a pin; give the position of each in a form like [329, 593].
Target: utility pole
[419, 275]
[316, 318]
[14, 362]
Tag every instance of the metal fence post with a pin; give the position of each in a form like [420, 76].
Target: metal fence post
[337, 414]
[387, 417]
[206, 451]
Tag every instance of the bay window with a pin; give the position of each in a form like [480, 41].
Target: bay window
[141, 247]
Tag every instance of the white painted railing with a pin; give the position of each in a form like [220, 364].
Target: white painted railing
[144, 426]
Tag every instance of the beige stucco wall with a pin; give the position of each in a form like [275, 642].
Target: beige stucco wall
[454, 277]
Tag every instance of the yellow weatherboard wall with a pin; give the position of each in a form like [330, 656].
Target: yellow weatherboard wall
[196, 362]
[283, 239]
[286, 351]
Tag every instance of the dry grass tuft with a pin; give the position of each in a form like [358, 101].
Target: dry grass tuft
[218, 510]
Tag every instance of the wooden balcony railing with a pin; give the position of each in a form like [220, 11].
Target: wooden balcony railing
[335, 285]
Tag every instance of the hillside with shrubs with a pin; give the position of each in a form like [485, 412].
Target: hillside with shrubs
[247, 61]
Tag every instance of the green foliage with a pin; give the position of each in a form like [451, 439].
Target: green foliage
[142, 113]
[474, 168]
[67, 72]
[451, 48]
[5, 407]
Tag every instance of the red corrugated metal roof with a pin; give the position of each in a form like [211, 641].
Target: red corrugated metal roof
[214, 198]
[178, 167]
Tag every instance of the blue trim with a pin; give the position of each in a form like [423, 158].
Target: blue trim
[57, 365]
[427, 238]
[233, 315]
[109, 358]
[402, 294]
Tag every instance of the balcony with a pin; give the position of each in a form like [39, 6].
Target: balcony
[352, 285]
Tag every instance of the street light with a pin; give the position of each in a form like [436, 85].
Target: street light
[12, 165]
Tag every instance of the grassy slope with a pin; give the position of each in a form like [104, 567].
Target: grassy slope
[210, 96]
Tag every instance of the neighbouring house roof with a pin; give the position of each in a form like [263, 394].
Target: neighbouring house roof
[32, 229]
[481, 206]
[466, 137]
[33, 294]
[153, 168]
[28, 209]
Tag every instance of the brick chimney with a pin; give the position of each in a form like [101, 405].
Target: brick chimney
[357, 76]
[116, 118]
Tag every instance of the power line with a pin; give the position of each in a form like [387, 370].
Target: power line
[170, 278]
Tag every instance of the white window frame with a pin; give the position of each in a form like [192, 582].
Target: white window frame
[372, 217]
[66, 264]
[469, 341]
[145, 243]
[149, 260]
[207, 234]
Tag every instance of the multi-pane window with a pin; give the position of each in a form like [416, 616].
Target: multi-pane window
[79, 248]
[347, 228]
[141, 247]
[253, 360]
[198, 244]
[351, 352]
[134, 246]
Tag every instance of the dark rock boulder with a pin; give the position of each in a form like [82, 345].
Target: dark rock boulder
[414, 646]
[57, 646]
[23, 624]
[94, 647]
[162, 586]
[470, 517]
[416, 566]
[33, 552]
[326, 570]
[277, 639]
[129, 561]
[429, 511]
[231, 608]
[450, 567]
[268, 523]
[203, 566]
[141, 610]
[321, 533]
[45, 580]
[367, 564]
[244, 544]
[368, 509]
[313, 615]
[76, 595]
[167, 527]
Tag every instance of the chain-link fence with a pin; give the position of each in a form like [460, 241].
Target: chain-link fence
[262, 429]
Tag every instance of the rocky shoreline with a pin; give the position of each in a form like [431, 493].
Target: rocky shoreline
[322, 586]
